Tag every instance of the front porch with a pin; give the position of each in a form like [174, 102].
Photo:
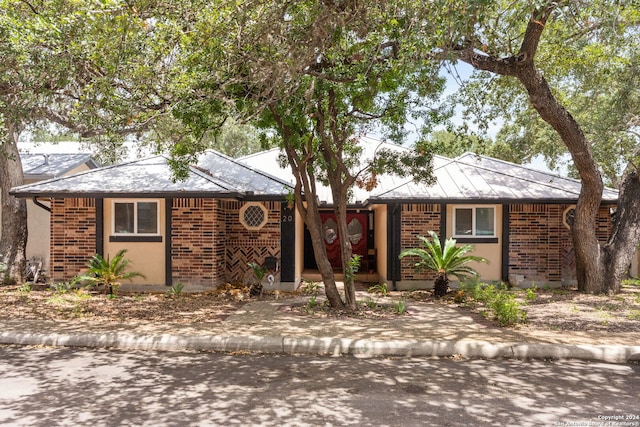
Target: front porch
[363, 277]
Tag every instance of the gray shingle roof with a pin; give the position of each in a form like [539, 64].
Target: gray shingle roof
[153, 177]
[46, 166]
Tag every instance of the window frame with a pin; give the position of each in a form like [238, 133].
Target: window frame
[135, 218]
[246, 206]
[564, 216]
[474, 235]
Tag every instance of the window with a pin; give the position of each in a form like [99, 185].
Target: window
[568, 216]
[354, 229]
[133, 217]
[253, 215]
[330, 231]
[474, 221]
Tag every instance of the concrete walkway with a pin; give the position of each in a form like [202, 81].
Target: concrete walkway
[272, 327]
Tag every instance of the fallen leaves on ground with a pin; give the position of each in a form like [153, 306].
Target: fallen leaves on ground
[559, 310]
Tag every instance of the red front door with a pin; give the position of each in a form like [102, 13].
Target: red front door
[357, 230]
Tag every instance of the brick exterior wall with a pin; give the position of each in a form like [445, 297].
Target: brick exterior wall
[197, 242]
[540, 247]
[73, 237]
[536, 233]
[244, 246]
[209, 245]
[604, 225]
[417, 220]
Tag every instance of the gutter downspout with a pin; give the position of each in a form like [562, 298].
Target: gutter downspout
[39, 204]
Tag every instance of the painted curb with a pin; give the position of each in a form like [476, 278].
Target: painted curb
[363, 348]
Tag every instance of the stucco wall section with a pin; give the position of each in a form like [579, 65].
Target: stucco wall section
[147, 258]
[196, 243]
[73, 237]
[417, 220]
[244, 246]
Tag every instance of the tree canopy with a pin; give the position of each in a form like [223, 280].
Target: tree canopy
[313, 75]
[589, 56]
[94, 67]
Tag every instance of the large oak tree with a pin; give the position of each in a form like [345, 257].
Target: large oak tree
[93, 67]
[508, 40]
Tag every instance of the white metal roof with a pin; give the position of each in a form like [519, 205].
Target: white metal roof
[224, 169]
[46, 166]
[471, 177]
[268, 161]
[153, 177]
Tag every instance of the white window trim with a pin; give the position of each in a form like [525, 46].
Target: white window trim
[473, 234]
[246, 206]
[135, 216]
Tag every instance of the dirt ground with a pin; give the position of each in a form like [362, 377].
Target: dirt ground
[557, 310]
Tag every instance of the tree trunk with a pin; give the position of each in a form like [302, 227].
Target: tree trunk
[589, 262]
[441, 285]
[622, 245]
[599, 269]
[314, 224]
[301, 161]
[333, 139]
[13, 239]
[346, 253]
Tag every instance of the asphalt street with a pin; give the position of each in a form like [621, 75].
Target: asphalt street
[41, 386]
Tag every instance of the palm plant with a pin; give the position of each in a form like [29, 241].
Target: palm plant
[446, 261]
[109, 272]
[258, 272]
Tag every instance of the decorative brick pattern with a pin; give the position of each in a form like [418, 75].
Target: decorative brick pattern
[244, 246]
[196, 242]
[417, 220]
[73, 237]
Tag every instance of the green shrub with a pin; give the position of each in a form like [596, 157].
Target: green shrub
[635, 281]
[61, 287]
[530, 293]
[108, 272]
[313, 303]
[371, 303]
[498, 299]
[175, 290]
[634, 315]
[444, 260]
[310, 288]
[506, 310]
[379, 289]
[352, 268]
[400, 307]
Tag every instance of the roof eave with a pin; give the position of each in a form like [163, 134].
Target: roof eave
[388, 200]
[132, 195]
